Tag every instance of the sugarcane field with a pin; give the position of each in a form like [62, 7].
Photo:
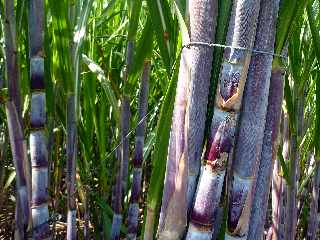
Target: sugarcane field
[160, 119]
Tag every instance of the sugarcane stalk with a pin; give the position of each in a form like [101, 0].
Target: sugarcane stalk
[313, 221]
[278, 204]
[38, 144]
[120, 183]
[175, 150]
[86, 217]
[14, 119]
[203, 17]
[268, 156]
[295, 133]
[134, 13]
[72, 144]
[11, 54]
[72, 109]
[187, 129]
[278, 188]
[227, 105]
[125, 122]
[252, 125]
[19, 155]
[133, 212]
[125, 140]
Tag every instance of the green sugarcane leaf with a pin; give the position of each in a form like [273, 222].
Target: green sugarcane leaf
[289, 12]
[10, 179]
[182, 25]
[134, 19]
[290, 106]
[284, 166]
[159, 156]
[143, 48]
[314, 27]
[95, 68]
[104, 16]
[149, 145]
[161, 18]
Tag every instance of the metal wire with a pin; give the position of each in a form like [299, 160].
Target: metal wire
[212, 45]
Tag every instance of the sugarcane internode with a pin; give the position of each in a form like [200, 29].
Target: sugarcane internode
[240, 202]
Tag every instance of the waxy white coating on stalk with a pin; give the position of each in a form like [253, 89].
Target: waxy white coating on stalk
[40, 214]
[195, 233]
[38, 113]
[134, 210]
[115, 229]
[71, 230]
[24, 201]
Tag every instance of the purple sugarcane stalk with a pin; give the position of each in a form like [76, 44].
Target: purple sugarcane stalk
[38, 142]
[133, 212]
[227, 105]
[11, 57]
[19, 155]
[86, 217]
[268, 156]
[14, 119]
[313, 215]
[276, 231]
[291, 207]
[122, 177]
[119, 188]
[203, 19]
[72, 144]
[126, 117]
[187, 130]
[175, 152]
[252, 124]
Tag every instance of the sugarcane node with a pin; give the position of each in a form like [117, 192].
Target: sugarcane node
[202, 227]
[40, 163]
[166, 36]
[40, 53]
[37, 73]
[219, 164]
[36, 202]
[37, 127]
